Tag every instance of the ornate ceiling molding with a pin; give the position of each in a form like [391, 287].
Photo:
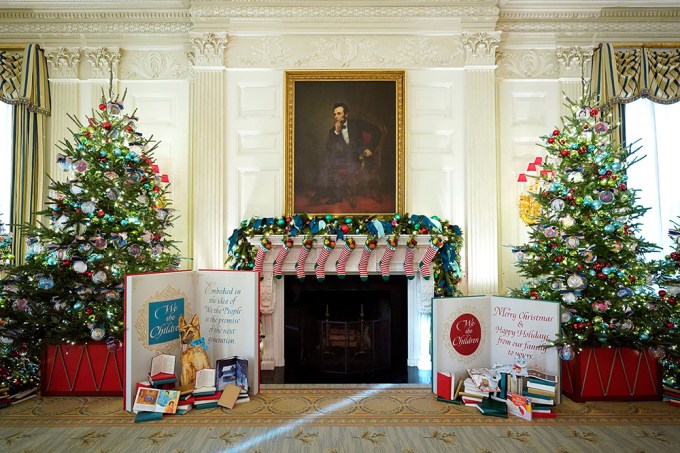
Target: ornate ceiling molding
[347, 52]
[103, 62]
[155, 65]
[209, 49]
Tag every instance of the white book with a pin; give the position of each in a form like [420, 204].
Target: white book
[205, 379]
[162, 363]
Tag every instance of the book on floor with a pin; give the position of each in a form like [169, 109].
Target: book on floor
[494, 407]
[156, 400]
[446, 385]
[232, 371]
[147, 416]
[519, 405]
[230, 394]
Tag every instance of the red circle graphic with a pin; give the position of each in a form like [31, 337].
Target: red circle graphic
[466, 334]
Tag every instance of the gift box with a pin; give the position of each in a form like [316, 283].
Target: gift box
[89, 369]
[612, 374]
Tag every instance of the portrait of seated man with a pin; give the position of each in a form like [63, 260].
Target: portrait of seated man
[350, 157]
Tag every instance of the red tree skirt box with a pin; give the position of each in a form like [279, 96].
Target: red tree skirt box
[613, 374]
[82, 370]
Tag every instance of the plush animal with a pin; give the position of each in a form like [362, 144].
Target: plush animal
[193, 355]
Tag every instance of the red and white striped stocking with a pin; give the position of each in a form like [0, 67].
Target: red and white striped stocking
[427, 259]
[281, 257]
[408, 258]
[363, 262]
[320, 265]
[302, 257]
[385, 261]
[262, 250]
[340, 264]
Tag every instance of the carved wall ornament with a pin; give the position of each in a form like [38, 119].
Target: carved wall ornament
[297, 52]
[155, 66]
[209, 49]
[104, 62]
[63, 62]
[527, 64]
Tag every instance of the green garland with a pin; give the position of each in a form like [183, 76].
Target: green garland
[445, 265]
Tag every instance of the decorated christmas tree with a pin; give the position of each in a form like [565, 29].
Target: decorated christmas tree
[584, 249]
[669, 278]
[108, 219]
[6, 257]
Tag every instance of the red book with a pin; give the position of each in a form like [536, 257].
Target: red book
[207, 398]
[543, 414]
[162, 376]
[445, 385]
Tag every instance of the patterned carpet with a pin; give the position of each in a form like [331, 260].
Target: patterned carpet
[399, 418]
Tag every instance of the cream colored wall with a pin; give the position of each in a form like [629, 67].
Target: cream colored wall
[484, 80]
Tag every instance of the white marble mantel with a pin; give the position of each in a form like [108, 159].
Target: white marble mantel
[272, 303]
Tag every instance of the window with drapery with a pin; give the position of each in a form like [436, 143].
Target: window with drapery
[24, 85]
[6, 159]
[641, 85]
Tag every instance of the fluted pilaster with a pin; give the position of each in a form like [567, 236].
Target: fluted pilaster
[208, 152]
[481, 170]
[64, 92]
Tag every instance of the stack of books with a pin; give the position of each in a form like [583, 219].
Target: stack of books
[7, 400]
[185, 404]
[671, 394]
[162, 373]
[205, 393]
[471, 394]
[543, 391]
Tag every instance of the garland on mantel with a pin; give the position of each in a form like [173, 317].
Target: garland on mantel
[448, 239]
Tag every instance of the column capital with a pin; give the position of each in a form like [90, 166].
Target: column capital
[208, 49]
[63, 62]
[573, 60]
[104, 62]
[480, 48]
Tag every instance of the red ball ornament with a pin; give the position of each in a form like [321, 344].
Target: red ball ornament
[672, 301]
[88, 311]
[594, 112]
[551, 140]
[556, 132]
[100, 213]
[344, 228]
[102, 106]
[662, 293]
[128, 128]
[106, 125]
[585, 126]
[564, 153]
[423, 230]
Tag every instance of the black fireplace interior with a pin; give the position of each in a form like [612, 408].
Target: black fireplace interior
[345, 330]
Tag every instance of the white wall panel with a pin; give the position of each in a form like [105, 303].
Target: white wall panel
[528, 109]
[259, 191]
[255, 145]
[435, 153]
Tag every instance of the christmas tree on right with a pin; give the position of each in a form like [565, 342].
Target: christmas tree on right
[669, 277]
[585, 250]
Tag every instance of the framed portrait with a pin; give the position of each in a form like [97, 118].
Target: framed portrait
[344, 150]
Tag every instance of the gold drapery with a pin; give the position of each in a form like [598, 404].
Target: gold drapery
[623, 74]
[24, 84]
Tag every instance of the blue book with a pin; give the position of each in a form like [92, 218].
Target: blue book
[205, 405]
[145, 416]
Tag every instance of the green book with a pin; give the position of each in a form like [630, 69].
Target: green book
[458, 402]
[493, 407]
[145, 416]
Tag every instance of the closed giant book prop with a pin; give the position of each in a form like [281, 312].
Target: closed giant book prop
[226, 302]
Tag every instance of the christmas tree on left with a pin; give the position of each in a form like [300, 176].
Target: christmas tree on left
[108, 219]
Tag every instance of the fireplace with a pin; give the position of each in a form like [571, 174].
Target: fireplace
[345, 330]
[411, 331]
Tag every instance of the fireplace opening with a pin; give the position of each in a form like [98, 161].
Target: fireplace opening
[346, 330]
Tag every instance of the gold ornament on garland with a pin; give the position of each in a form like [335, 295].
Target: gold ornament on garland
[529, 207]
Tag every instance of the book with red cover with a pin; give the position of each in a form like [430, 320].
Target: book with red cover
[203, 399]
[543, 414]
[446, 385]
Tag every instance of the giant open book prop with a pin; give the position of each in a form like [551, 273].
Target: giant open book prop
[481, 331]
[227, 303]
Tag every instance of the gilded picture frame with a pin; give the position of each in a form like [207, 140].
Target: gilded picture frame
[344, 142]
